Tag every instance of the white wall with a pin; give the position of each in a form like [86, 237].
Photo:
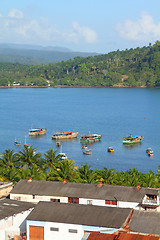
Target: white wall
[63, 232]
[97, 202]
[13, 224]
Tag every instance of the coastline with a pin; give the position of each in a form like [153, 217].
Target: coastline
[64, 86]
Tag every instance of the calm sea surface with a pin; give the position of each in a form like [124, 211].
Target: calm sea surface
[112, 112]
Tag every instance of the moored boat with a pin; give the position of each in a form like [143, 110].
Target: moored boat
[149, 151]
[110, 149]
[63, 156]
[17, 143]
[37, 131]
[132, 139]
[87, 151]
[64, 135]
[90, 137]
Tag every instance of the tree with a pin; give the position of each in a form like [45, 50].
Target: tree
[86, 174]
[28, 157]
[8, 159]
[51, 159]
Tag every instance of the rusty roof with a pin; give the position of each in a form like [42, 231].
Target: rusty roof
[121, 236]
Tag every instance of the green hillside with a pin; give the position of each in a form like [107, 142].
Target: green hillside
[138, 67]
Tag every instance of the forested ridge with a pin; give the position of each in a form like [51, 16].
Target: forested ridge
[139, 67]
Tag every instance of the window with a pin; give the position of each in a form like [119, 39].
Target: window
[54, 229]
[89, 202]
[110, 202]
[55, 200]
[73, 200]
[72, 230]
[34, 196]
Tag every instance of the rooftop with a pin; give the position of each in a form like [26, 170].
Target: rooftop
[145, 221]
[10, 207]
[82, 190]
[79, 214]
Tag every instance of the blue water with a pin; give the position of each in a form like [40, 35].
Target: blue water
[112, 112]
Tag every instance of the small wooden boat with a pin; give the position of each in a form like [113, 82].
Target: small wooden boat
[132, 139]
[58, 144]
[84, 147]
[37, 131]
[26, 144]
[17, 143]
[110, 149]
[64, 135]
[87, 152]
[149, 151]
[63, 156]
[90, 138]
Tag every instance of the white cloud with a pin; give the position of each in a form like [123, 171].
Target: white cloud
[17, 28]
[88, 34]
[15, 13]
[144, 29]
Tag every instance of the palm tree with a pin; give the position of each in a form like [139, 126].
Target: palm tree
[86, 174]
[28, 157]
[106, 175]
[51, 159]
[8, 159]
[65, 169]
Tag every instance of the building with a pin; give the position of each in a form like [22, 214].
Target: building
[82, 193]
[61, 221]
[5, 188]
[12, 217]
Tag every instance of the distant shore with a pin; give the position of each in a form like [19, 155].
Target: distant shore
[64, 86]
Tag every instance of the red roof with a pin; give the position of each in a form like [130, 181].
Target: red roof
[121, 236]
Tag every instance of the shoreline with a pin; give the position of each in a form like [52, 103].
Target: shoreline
[64, 86]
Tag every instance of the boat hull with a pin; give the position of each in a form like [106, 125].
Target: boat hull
[61, 137]
[90, 138]
[39, 132]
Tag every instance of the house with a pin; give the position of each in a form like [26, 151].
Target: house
[59, 221]
[83, 193]
[12, 217]
[5, 188]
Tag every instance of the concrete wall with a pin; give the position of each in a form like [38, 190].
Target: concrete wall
[5, 189]
[97, 202]
[13, 225]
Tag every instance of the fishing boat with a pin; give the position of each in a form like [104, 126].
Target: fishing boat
[90, 138]
[149, 151]
[26, 144]
[110, 149]
[84, 147]
[63, 156]
[64, 135]
[87, 151]
[37, 131]
[17, 143]
[132, 139]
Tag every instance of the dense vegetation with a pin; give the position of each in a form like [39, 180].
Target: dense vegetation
[49, 166]
[138, 67]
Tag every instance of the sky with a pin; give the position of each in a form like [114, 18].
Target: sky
[99, 26]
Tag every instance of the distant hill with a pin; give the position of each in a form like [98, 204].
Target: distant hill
[35, 54]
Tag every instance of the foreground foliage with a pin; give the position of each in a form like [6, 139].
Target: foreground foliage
[129, 68]
[49, 166]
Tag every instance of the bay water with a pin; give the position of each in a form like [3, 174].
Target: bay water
[112, 112]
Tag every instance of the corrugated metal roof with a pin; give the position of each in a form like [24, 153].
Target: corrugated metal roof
[10, 207]
[82, 190]
[121, 236]
[79, 214]
[145, 221]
